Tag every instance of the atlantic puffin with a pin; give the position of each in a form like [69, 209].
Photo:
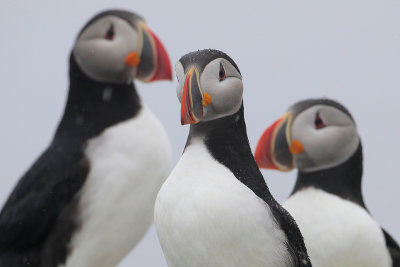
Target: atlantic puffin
[319, 137]
[89, 198]
[215, 208]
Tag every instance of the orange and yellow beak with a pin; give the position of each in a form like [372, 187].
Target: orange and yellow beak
[193, 99]
[152, 60]
[275, 149]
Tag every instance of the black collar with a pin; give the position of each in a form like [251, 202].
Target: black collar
[343, 180]
[226, 140]
[87, 113]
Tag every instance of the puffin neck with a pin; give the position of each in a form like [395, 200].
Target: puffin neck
[93, 106]
[226, 140]
[343, 180]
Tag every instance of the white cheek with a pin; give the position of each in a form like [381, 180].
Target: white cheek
[226, 95]
[179, 91]
[325, 148]
[97, 51]
[104, 60]
[180, 75]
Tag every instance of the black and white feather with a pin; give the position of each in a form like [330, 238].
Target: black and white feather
[327, 200]
[89, 198]
[215, 208]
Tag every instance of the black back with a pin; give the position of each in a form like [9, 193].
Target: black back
[38, 219]
[226, 139]
[128, 16]
[393, 248]
[345, 181]
[201, 58]
[305, 104]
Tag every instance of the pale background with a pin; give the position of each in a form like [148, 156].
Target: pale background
[286, 51]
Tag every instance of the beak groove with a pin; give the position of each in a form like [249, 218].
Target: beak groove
[154, 60]
[273, 148]
[163, 70]
[192, 99]
[264, 149]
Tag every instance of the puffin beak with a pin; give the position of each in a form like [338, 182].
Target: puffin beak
[153, 62]
[193, 100]
[275, 149]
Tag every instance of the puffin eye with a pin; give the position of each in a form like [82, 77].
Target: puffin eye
[110, 33]
[221, 74]
[318, 122]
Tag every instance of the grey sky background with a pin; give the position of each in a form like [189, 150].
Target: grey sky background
[286, 51]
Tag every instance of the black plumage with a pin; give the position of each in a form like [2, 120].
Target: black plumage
[201, 58]
[227, 141]
[345, 181]
[36, 223]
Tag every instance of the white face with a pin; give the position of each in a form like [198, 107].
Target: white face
[101, 49]
[221, 80]
[329, 137]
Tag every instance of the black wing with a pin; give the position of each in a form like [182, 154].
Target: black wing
[295, 244]
[31, 211]
[393, 248]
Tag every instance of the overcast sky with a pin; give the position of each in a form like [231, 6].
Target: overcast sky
[286, 51]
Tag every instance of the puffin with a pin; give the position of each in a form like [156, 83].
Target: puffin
[89, 198]
[319, 137]
[215, 208]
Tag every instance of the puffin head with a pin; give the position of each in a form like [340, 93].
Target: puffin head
[116, 46]
[209, 86]
[312, 135]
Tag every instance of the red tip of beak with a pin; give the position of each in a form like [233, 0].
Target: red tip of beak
[186, 106]
[263, 154]
[163, 68]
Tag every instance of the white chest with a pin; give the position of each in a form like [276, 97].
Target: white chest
[337, 232]
[206, 217]
[128, 164]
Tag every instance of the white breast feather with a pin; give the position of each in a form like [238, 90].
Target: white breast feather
[337, 232]
[206, 217]
[128, 164]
